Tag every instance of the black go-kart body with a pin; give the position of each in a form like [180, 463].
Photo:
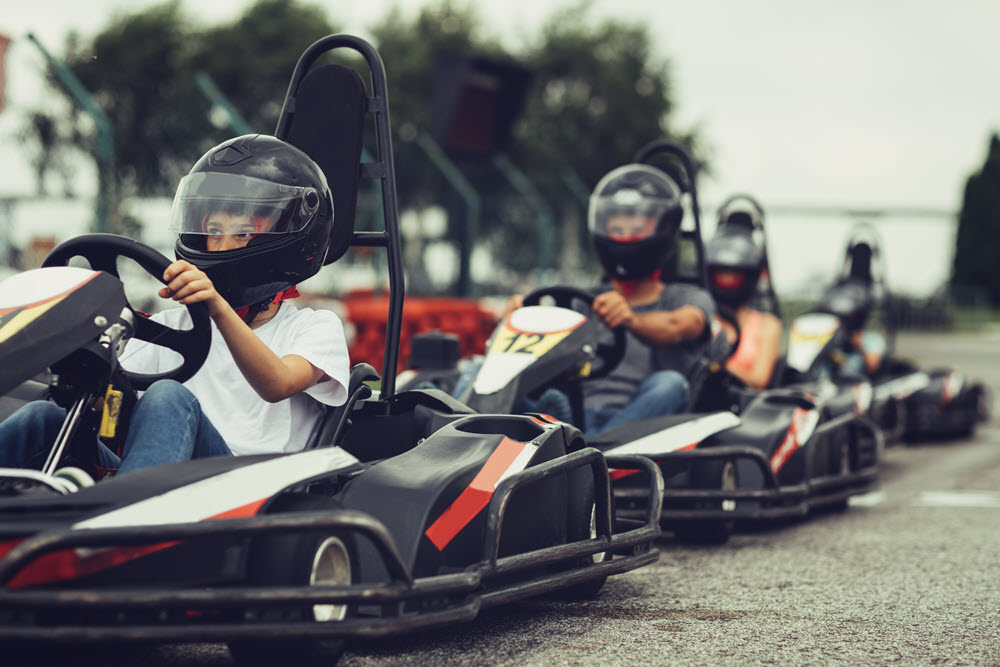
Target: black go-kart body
[406, 510]
[909, 403]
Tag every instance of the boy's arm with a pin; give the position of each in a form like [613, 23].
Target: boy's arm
[273, 378]
[657, 328]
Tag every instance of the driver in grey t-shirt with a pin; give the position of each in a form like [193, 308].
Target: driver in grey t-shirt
[634, 221]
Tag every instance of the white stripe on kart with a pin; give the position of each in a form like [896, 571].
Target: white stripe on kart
[499, 369]
[799, 431]
[519, 463]
[213, 496]
[680, 436]
[904, 386]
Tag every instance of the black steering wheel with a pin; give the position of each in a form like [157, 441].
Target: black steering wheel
[728, 315]
[564, 296]
[102, 252]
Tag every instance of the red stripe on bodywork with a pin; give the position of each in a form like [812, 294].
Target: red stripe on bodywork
[791, 442]
[476, 496]
[69, 564]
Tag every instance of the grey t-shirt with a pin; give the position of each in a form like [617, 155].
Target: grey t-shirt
[641, 360]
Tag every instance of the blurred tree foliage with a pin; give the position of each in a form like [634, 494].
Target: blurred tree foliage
[597, 94]
[141, 69]
[976, 248]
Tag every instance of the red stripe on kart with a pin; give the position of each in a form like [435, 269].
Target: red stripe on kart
[250, 509]
[69, 564]
[476, 496]
[621, 473]
[544, 419]
[791, 442]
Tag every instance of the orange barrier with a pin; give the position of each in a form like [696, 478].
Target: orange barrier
[367, 312]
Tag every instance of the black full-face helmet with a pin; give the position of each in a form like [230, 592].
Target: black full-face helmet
[634, 219]
[850, 300]
[269, 195]
[734, 258]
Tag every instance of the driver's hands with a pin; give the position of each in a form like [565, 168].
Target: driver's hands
[188, 284]
[612, 309]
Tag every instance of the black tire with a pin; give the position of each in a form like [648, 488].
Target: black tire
[582, 526]
[710, 475]
[294, 560]
[845, 469]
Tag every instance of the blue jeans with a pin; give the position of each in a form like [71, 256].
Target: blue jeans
[660, 394]
[167, 426]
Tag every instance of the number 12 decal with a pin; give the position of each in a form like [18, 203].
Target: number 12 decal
[523, 342]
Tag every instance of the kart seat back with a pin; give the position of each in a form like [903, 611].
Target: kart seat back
[328, 125]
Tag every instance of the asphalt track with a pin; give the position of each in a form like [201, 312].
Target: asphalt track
[909, 574]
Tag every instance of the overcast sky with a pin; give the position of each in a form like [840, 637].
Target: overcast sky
[845, 103]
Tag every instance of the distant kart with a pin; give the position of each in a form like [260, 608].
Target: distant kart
[407, 510]
[909, 403]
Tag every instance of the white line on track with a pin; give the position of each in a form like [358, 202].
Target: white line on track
[973, 499]
[870, 499]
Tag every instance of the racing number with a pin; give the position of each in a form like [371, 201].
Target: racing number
[523, 342]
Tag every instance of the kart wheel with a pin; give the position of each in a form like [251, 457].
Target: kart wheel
[711, 475]
[582, 526]
[291, 560]
[844, 470]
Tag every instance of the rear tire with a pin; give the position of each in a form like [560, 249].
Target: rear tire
[296, 559]
[711, 475]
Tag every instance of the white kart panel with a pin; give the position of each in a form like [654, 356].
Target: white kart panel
[545, 319]
[31, 287]
[809, 335]
[498, 369]
[904, 386]
[225, 492]
[683, 436]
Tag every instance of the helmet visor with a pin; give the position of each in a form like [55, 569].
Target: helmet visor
[627, 216]
[216, 204]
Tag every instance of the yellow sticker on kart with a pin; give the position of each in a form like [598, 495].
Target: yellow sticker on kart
[536, 344]
[535, 330]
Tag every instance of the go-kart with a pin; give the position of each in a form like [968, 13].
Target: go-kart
[908, 403]
[407, 509]
[735, 454]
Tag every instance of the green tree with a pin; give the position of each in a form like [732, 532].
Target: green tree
[141, 69]
[976, 245]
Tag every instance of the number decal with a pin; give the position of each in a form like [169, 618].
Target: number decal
[509, 341]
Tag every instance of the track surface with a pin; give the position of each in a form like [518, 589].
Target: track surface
[910, 574]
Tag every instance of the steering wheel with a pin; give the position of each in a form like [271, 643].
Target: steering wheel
[102, 252]
[728, 315]
[610, 354]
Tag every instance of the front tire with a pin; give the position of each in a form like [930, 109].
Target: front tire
[328, 558]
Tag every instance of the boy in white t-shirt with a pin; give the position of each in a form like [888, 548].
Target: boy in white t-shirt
[254, 218]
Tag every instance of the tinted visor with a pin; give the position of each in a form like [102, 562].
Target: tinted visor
[627, 216]
[213, 204]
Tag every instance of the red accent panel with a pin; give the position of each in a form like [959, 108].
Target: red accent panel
[476, 496]
[69, 564]
[791, 442]
[620, 473]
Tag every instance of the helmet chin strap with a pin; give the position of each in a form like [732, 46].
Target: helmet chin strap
[249, 313]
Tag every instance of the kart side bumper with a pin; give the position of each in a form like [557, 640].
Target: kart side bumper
[772, 501]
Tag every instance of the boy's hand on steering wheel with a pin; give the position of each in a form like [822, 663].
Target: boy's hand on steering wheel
[188, 284]
[612, 309]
